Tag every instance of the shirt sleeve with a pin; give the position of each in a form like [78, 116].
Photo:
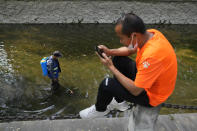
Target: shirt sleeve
[148, 72]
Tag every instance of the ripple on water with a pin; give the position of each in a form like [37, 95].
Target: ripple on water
[41, 110]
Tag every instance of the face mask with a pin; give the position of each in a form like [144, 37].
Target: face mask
[131, 45]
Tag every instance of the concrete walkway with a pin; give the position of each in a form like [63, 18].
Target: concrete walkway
[175, 122]
[97, 12]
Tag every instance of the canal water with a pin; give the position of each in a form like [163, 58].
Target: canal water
[24, 91]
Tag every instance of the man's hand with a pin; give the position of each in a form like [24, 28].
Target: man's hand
[105, 49]
[106, 60]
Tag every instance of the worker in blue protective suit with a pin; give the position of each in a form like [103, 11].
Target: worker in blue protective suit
[54, 69]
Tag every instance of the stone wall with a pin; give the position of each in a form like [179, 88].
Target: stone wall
[96, 12]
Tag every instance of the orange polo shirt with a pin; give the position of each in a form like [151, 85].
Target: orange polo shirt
[157, 68]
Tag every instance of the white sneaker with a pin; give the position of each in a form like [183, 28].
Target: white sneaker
[92, 113]
[123, 106]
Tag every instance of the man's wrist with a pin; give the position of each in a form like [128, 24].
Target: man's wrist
[112, 68]
[109, 52]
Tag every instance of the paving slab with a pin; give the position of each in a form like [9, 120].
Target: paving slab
[172, 122]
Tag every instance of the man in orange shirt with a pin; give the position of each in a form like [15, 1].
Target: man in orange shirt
[148, 82]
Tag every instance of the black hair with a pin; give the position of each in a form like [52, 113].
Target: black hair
[57, 54]
[131, 23]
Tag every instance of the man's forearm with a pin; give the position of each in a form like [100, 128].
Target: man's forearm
[126, 82]
[122, 51]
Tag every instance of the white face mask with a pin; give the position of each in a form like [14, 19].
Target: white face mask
[131, 45]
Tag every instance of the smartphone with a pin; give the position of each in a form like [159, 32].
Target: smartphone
[99, 51]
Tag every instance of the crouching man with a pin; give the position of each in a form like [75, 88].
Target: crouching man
[147, 81]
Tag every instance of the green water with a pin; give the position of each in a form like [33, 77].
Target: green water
[28, 92]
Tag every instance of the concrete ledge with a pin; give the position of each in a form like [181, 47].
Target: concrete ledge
[97, 12]
[175, 122]
[108, 0]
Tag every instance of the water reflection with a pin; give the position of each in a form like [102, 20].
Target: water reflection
[6, 70]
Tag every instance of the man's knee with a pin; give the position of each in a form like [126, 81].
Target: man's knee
[118, 59]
